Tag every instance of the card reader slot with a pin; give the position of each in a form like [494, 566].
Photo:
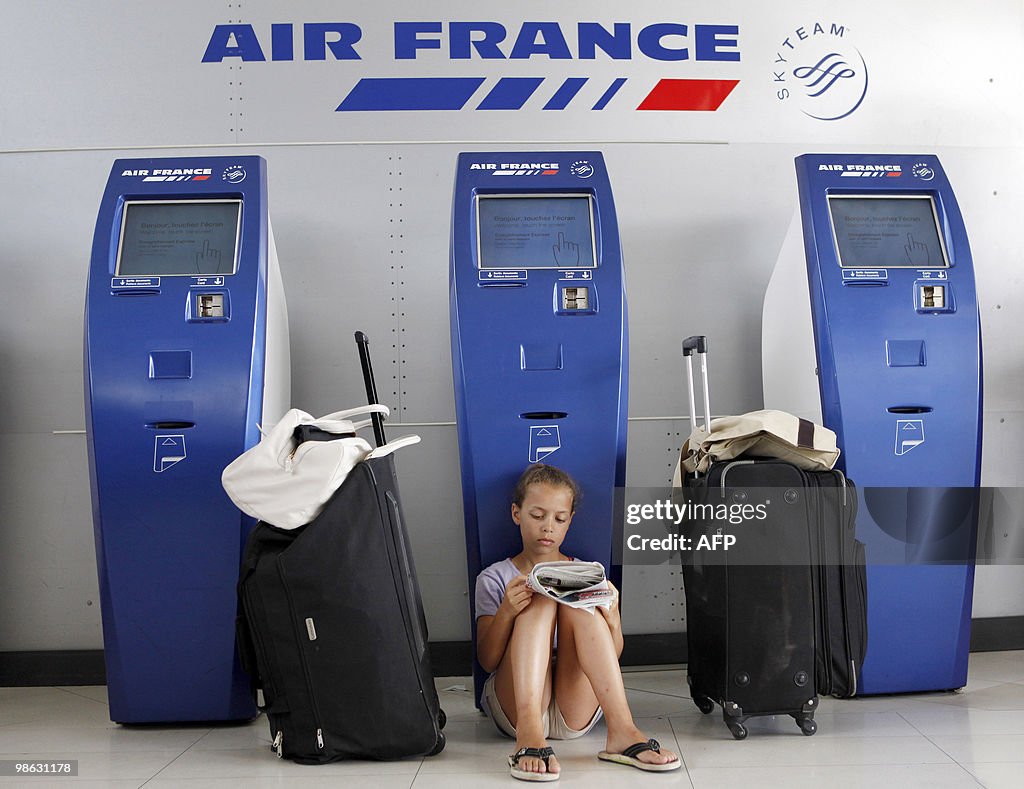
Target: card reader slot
[543, 415]
[909, 409]
[170, 425]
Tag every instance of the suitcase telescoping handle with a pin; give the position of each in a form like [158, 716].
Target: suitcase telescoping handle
[697, 344]
[363, 344]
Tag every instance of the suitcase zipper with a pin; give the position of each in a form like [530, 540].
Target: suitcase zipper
[844, 591]
[826, 639]
[278, 745]
[404, 602]
[266, 682]
[302, 657]
[727, 469]
[848, 523]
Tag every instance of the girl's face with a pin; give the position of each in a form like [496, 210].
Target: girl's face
[544, 518]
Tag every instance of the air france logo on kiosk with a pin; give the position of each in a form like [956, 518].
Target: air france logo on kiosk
[171, 174]
[863, 170]
[517, 168]
[544, 440]
[909, 434]
[168, 450]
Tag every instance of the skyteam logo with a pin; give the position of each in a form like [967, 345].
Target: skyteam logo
[234, 174]
[423, 48]
[582, 169]
[819, 70]
[923, 171]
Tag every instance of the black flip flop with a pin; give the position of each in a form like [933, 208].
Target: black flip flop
[525, 775]
[628, 757]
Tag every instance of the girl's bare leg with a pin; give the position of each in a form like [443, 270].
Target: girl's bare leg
[589, 673]
[522, 682]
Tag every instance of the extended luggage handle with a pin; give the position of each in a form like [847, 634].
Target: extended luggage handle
[363, 344]
[697, 344]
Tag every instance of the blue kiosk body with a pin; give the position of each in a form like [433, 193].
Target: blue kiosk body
[539, 345]
[897, 349]
[186, 352]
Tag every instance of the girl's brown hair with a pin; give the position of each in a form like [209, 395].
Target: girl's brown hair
[547, 475]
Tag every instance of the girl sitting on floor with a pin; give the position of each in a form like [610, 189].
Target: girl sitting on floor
[530, 695]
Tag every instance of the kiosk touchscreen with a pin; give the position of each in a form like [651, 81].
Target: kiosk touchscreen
[186, 352]
[871, 326]
[539, 344]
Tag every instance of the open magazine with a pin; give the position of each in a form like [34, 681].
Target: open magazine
[577, 584]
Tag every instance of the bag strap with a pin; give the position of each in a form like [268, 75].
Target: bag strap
[348, 413]
[392, 446]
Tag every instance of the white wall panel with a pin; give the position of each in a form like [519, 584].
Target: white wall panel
[361, 215]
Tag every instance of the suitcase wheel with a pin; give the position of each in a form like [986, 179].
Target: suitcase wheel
[438, 744]
[739, 731]
[704, 704]
[442, 719]
[807, 726]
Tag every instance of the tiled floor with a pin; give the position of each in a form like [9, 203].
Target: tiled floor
[970, 739]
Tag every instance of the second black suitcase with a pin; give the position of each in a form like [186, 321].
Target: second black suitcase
[779, 617]
[750, 612]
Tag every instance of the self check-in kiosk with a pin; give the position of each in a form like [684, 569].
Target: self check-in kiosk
[871, 326]
[186, 353]
[539, 344]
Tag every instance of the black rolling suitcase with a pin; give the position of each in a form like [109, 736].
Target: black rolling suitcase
[760, 641]
[332, 628]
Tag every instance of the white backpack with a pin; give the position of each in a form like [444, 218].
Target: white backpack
[286, 483]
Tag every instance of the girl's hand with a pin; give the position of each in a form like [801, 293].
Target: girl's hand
[517, 596]
[611, 614]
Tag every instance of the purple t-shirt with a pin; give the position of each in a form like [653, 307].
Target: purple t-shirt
[490, 586]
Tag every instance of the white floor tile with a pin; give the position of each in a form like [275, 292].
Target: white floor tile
[469, 780]
[255, 734]
[43, 707]
[1007, 696]
[94, 692]
[866, 724]
[116, 739]
[671, 683]
[456, 697]
[887, 703]
[939, 719]
[997, 666]
[79, 783]
[647, 704]
[316, 780]
[997, 775]
[262, 763]
[986, 748]
[718, 749]
[915, 776]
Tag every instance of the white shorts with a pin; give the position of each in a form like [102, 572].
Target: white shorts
[555, 727]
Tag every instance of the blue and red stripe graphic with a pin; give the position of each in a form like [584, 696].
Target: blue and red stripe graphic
[389, 94]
